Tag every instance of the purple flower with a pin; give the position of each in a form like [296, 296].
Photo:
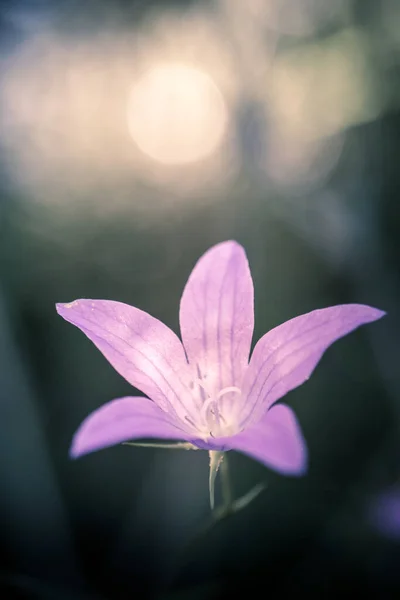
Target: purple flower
[206, 391]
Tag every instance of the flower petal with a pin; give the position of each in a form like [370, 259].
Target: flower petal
[122, 420]
[141, 348]
[217, 316]
[286, 356]
[276, 440]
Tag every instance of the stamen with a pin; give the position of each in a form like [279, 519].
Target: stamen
[211, 410]
[216, 416]
[228, 390]
[201, 385]
[205, 407]
[189, 420]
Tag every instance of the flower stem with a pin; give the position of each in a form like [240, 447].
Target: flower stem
[226, 484]
[216, 457]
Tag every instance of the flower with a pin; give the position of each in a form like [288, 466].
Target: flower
[205, 390]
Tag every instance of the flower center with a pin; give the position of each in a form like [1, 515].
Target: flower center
[216, 417]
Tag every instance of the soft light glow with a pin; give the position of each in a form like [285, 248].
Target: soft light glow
[325, 87]
[176, 114]
[67, 101]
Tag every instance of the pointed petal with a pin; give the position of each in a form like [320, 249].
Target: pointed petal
[141, 348]
[286, 356]
[121, 420]
[217, 315]
[276, 441]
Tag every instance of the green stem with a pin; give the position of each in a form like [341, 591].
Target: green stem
[226, 487]
[216, 457]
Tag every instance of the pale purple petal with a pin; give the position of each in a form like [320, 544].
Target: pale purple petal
[141, 348]
[122, 420]
[286, 356]
[217, 316]
[276, 440]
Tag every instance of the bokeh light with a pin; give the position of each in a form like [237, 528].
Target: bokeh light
[384, 512]
[324, 87]
[176, 114]
[83, 114]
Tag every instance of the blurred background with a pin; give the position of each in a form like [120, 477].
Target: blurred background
[133, 136]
